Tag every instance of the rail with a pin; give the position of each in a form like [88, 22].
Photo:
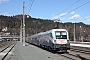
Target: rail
[6, 50]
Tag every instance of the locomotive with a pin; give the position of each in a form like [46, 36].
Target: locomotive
[53, 40]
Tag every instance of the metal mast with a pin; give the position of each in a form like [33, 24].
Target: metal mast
[23, 25]
[21, 32]
[74, 33]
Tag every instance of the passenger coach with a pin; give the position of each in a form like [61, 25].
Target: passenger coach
[55, 39]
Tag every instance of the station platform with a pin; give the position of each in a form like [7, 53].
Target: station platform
[30, 52]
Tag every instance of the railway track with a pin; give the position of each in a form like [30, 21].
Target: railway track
[75, 54]
[6, 50]
[71, 56]
[85, 51]
[4, 43]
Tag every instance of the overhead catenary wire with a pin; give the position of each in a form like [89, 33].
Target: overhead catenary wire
[32, 1]
[70, 6]
[31, 6]
[76, 7]
[79, 6]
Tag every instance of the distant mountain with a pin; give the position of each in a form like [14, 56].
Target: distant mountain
[36, 25]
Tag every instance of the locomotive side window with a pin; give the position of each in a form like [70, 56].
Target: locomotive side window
[61, 34]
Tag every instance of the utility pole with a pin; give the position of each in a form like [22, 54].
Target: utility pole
[21, 32]
[81, 33]
[74, 33]
[23, 25]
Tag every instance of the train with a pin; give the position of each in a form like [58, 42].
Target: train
[53, 40]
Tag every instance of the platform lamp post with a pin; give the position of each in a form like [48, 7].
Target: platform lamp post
[23, 25]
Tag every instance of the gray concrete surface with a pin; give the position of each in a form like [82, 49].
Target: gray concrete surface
[30, 52]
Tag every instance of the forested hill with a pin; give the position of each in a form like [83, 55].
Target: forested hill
[36, 25]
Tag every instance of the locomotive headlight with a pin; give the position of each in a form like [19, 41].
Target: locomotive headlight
[68, 41]
[54, 41]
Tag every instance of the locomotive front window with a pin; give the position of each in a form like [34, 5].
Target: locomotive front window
[61, 35]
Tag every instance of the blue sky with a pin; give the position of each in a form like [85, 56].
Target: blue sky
[65, 10]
